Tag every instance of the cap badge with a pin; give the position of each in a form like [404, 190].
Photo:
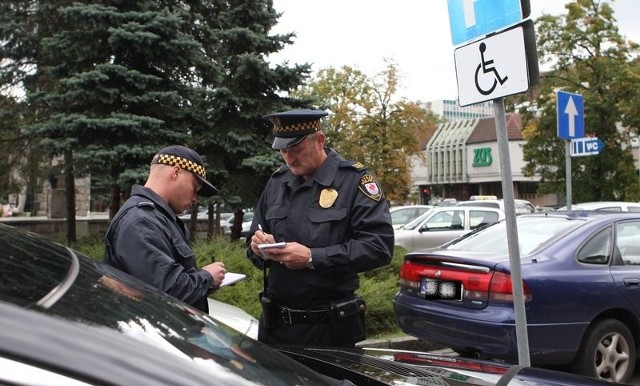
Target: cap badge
[328, 197]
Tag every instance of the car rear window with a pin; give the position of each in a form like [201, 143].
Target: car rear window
[533, 232]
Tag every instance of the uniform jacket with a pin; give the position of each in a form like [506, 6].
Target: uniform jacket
[341, 214]
[147, 240]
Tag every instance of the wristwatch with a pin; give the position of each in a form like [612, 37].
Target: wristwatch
[310, 262]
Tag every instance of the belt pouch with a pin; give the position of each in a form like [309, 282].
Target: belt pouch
[348, 322]
[269, 312]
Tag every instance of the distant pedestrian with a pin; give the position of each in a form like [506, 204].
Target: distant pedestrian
[147, 239]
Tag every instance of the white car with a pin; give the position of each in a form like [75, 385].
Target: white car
[442, 224]
[401, 215]
[606, 206]
[521, 206]
[234, 317]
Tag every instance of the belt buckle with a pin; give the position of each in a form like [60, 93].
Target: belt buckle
[285, 315]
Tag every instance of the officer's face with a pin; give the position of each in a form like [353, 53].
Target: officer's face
[305, 158]
[186, 192]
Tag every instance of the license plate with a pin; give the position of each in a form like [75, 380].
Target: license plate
[439, 289]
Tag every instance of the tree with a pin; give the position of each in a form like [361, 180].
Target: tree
[111, 82]
[370, 124]
[588, 57]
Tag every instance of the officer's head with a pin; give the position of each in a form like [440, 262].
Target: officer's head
[291, 127]
[299, 138]
[188, 160]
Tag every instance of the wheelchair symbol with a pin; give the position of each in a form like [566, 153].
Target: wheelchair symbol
[487, 67]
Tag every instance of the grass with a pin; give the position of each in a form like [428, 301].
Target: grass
[377, 287]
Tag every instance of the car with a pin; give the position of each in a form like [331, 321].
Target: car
[580, 273]
[442, 224]
[401, 215]
[520, 206]
[247, 218]
[69, 320]
[609, 206]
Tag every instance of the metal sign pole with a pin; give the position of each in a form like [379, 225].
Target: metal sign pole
[567, 150]
[512, 232]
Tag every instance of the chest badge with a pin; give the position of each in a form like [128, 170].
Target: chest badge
[328, 197]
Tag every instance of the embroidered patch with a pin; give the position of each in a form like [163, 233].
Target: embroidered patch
[369, 186]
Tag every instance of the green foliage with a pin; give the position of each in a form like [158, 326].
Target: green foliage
[377, 287]
[111, 82]
[371, 124]
[588, 57]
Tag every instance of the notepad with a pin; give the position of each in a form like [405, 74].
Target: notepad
[232, 278]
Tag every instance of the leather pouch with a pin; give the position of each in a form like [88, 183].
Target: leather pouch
[348, 321]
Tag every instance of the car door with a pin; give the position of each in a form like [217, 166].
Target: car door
[626, 266]
[441, 227]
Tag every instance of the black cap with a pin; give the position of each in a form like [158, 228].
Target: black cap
[291, 127]
[189, 160]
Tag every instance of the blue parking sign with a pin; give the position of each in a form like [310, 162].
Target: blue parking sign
[470, 19]
[570, 115]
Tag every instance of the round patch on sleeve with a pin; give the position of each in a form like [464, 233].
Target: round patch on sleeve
[369, 186]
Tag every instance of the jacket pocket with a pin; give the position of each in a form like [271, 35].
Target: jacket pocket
[184, 255]
[330, 226]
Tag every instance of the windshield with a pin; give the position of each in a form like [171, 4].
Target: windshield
[413, 224]
[33, 268]
[533, 232]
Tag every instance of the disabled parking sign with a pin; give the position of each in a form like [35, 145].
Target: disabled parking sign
[497, 66]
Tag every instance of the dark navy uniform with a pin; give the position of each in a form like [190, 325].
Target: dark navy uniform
[147, 240]
[342, 215]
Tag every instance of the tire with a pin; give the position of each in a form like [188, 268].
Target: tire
[607, 351]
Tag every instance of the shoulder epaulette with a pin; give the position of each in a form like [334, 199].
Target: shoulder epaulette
[146, 204]
[280, 170]
[353, 165]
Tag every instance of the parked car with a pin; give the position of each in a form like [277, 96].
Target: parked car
[69, 320]
[581, 276]
[442, 224]
[520, 206]
[247, 218]
[401, 215]
[609, 206]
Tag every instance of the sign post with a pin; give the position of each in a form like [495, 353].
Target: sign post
[501, 64]
[570, 118]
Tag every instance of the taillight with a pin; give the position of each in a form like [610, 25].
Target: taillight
[501, 289]
[478, 283]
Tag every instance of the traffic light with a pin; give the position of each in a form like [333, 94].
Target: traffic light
[424, 190]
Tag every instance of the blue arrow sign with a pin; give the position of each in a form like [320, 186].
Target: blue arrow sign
[570, 111]
[586, 146]
[470, 19]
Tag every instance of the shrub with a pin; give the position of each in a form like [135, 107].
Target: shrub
[377, 287]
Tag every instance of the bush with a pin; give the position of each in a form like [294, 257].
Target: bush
[377, 287]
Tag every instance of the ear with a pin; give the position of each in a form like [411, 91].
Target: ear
[175, 171]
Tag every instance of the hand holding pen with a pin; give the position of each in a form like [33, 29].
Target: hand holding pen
[261, 237]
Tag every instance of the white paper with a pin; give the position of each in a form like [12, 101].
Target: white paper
[232, 278]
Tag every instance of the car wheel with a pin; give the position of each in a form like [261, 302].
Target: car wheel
[607, 352]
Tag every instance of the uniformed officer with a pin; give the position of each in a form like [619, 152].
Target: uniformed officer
[335, 221]
[147, 239]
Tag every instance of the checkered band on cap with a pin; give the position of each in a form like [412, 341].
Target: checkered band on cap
[183, 163]
[307, 127]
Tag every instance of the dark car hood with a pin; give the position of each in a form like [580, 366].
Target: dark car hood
[371, 366]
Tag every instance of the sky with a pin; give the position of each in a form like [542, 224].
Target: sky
[415, 34]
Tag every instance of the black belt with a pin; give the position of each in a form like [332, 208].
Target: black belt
[292, 316]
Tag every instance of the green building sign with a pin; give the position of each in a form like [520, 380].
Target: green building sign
[482, 157]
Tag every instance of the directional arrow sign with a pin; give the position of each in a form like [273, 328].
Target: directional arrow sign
[570, 110]
[586, 146]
